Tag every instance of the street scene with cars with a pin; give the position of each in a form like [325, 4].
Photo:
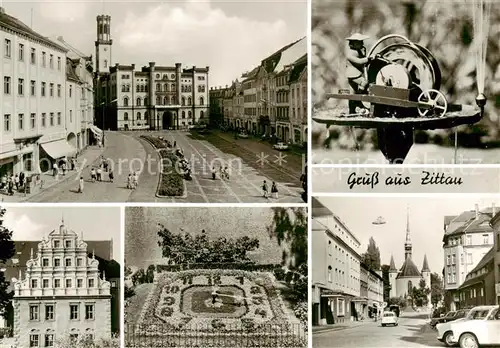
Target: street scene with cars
[362, 300]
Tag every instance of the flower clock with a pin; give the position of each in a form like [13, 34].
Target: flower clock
[212, 301]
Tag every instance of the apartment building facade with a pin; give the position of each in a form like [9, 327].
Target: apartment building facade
[336, 277]
[495, 224]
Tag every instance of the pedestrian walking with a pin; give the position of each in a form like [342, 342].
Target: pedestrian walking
[129, 181]
[175, 144]
[54, 169]
[73, 163]
[99, 173]
[274, 190]
[111, 176]
[11, 188]
[265, 192]
[93, 174]
[21, 179]
[80, 185]
[135, 179]
[16, 181]
[63, 168]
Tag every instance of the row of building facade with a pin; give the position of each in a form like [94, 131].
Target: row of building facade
[471, 245]
[154, 97]
[343, 288]
[46, 102]
[270, 100]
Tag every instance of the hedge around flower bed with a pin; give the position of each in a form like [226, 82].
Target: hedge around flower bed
[171, 182]
[219, 266]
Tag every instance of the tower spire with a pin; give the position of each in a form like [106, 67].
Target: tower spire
[392, 265]
[425, 266]
[408, 246]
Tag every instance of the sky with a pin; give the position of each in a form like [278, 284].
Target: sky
[96, 223]
[141, 228]
[230, 37]
[426, 223]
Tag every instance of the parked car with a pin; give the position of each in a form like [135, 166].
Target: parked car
[281, 146]
[389, 318]
[481, 327]
[243, 135]
[444, 327]
[450, 316]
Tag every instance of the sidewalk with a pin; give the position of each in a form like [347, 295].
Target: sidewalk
[85, 159]
[343, 326]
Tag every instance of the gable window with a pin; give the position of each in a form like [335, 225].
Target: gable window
[79, 283]
[79, 262]
[91, 283]
[45, 262]
[51, 61]
[57, 262]
[59, 63]
[138, 102]
[49, 340]
[45, 283]
[69, 284]
[57, 283]
[68, 244]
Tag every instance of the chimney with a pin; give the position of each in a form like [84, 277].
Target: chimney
[477, 211]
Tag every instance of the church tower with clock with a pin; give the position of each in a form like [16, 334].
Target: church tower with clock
[103, 44]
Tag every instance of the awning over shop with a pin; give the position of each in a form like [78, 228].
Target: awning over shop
[97, 132]
[58, 149]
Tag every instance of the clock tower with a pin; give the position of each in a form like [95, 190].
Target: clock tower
[103, 44]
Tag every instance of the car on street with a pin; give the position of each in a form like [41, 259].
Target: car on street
[450, 316]
[243, 135]
[445, 328]
[481, 327]
[280, 146]
[389, 318]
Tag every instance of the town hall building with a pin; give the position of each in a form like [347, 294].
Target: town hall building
[154, 97]
[61, 294]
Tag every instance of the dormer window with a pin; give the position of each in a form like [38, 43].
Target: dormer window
[68, 262]
[68, 244]
[57, 244]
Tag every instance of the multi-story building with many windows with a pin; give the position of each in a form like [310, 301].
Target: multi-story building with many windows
[271, 99]
[336, 270]
[467, 239]
[495, 224]
[33, 99]
[61, 293]
[154, 97]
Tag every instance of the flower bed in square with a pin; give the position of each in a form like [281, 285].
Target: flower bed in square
[247, 311]
[171, 182]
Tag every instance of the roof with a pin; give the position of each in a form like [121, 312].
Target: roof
[272, 61]
[473, 281]
[298, 67]
[102, 249]
[409, 270]
[466, 222]
[425, 267]
[289, 55]
[72, 53]
[14, 24]
[487, 258]
[392, 265]
[318, 209]
[71, 73]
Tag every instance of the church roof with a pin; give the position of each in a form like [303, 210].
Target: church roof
[409, 269]
[425, 267]
[392, 265]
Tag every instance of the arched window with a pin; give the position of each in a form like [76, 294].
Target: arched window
[202, 114]
[128, 88]
[106, 29]
[172, 87]
[199, 88]
[145, 100]
[202, 101]
[100, 29]
[189, 100]
[172, 100]
[146, 115]
[146, 88]
[183, 101]
[158, 100]
[165, 87]
[138, 115]
[189, 114]
[138, 103]
[410, 288]
[138, 88]
[125, 116]
[125, 101]
[184, 114]
[124, 88]
[165, 100]
[158, 87]
[105, 63]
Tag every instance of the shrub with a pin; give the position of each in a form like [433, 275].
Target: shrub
[155, 142]
[84, 342]
[300, 311]
[171, 180]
